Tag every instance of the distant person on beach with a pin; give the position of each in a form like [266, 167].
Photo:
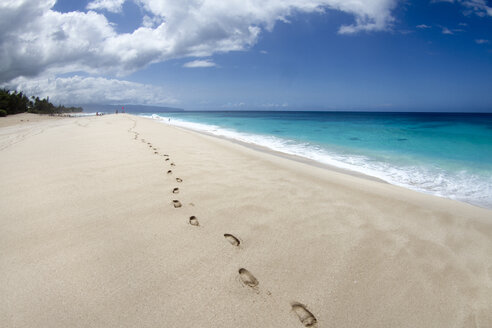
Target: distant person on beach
[116, 112]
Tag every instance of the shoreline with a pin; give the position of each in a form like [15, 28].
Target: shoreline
[120, 221]
[291, 157]
[314, 163]
[326, 168]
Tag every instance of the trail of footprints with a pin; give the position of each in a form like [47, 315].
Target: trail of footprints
[247, 278]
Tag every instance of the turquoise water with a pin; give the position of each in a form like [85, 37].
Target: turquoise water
[448, 155]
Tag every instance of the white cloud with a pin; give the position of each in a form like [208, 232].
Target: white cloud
[151, 22]
[446, 30]
[478, 7]
[481, 41]
[91, 90]
[52, 41]
[114, 6]
[369, 15]
[234, 105]
[423, 26]
[35, 39]
[199, 63]
[275, 105]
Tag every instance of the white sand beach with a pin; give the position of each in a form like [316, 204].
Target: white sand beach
[90, 236]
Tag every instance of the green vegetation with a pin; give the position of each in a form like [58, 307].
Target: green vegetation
[13, 102]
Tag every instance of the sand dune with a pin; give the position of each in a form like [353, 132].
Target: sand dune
[121, 221]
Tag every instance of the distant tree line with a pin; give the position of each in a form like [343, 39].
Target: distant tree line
[13, 102]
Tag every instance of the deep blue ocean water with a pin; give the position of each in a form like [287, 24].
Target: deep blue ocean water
[448, 155]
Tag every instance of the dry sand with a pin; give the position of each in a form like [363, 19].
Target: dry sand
[90, 236]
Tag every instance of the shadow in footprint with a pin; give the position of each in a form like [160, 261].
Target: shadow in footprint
[167, 159]
[194, 221]
[304, 315]
[172, 164]
[176, 191]
[247, 278]
[233, 240]
[176, 203]
[169, 172]
[179, 180]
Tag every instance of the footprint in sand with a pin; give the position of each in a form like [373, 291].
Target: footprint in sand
[172, 164]
[165, 155]
[194, 221]
[176, 203]
[167, 159]
[176, 191]
[233, 240]
[247, 278]
[304, 315]
[154, 148]
[169, 172]
[179, 180]
[156, 152]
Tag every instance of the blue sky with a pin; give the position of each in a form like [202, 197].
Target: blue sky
[332, 55]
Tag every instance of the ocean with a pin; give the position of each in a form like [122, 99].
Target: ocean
[443, 154]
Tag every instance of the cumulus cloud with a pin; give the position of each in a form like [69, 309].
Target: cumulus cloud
[478, 7]
[91, 90]
[275, 105]
[52, 41]
[35, 39]
[234, 105]
[446, 30]
[114, 6]
[151, 22]
[369, 15]
[199, 63]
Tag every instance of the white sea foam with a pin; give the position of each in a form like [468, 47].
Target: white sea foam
[463, 185]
